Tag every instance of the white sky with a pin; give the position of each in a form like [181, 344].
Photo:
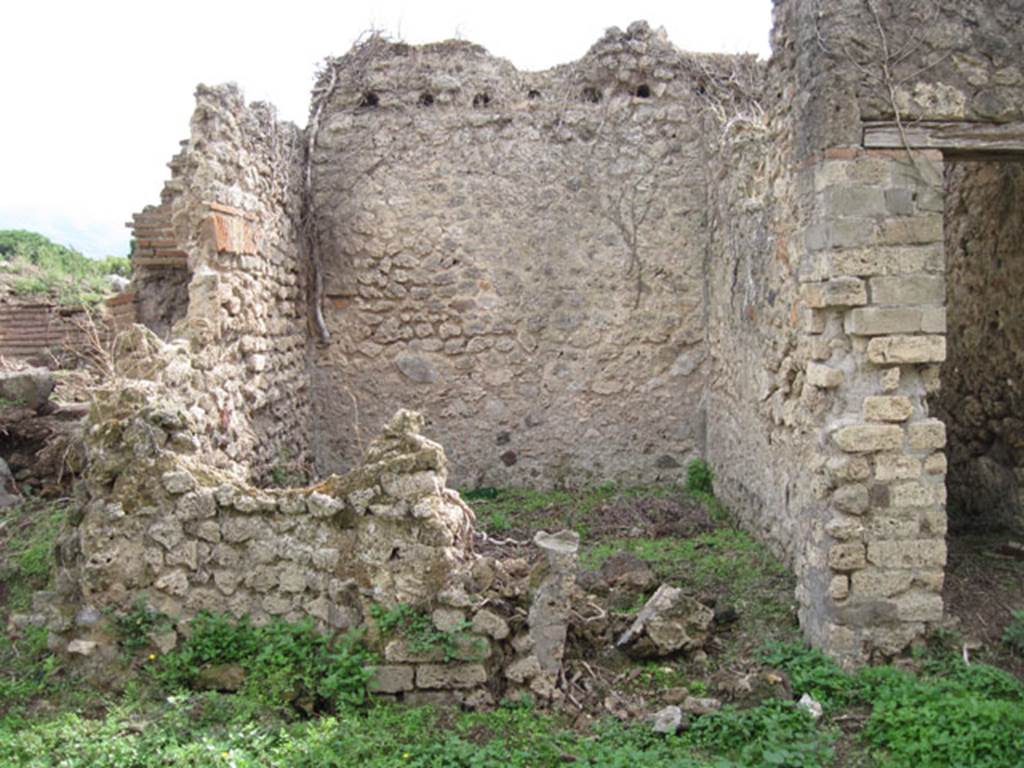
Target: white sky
[95, 95]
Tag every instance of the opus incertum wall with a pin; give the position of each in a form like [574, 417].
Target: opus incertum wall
[604, 270]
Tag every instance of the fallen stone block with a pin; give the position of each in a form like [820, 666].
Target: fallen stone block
[670, 622]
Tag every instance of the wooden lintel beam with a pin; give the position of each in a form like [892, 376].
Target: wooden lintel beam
[954, 137]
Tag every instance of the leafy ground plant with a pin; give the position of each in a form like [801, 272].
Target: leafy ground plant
[281, 662]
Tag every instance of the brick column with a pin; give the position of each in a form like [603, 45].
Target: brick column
[873, 294]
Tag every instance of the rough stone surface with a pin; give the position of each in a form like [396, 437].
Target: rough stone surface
[598, 272]
[667, 721]
[668, 623]
[30, 387]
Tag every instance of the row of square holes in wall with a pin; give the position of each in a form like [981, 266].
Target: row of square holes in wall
[370, 99]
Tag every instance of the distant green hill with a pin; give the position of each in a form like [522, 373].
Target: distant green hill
[31, 264]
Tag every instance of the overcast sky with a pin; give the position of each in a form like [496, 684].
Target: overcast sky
[95, 95]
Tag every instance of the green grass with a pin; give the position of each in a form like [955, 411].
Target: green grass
[214, 730]
[303, 703]
[726, 561]
[27, 555]
[41, 267]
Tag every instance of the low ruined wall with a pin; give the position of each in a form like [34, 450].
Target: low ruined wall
[982, 395]
[520, 256]
[159, 525]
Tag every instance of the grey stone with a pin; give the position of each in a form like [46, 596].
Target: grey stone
[668, 623]
[178, 482]
[667, 721]
[29, 388]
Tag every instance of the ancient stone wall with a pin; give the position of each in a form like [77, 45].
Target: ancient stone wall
[601, 271]
[982, 395]
[871, 314]
[858, 61]
[521, 256]
[159, 525]
[219, 264]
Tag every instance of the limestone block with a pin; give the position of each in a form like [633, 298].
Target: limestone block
[878, 321]
[843, 528]
[292, 579]
[208, 530]
[277, 605]
[907, 349]
[848, 469]
[326, 558]
[291, 504]
[399, 651]
[887, 408]
[850, 201]
[197, 505]
[360, 499]
[860, 612]
[488, 623]
[173, 583]
[873, 582]
[890, 379]
[851, 499]
[823, 376]
[322, 505]
[838, 292]
[410, 486]
[226, 581]
[446, 676]
[186, 553]
[251, 503]
[934, 520]
[392, 678]
[521, 670]
[166, 532]
[893, 639]
[670, 621]
[919, 553]
[927, 435]
[82, 647]
[236, 530]
[933, 319]
[892, 260]
[550, 600]
[448, 619]
[667, 721]
[889, 527]
[868, 438]
[936, 464]
[178, 482]
[908, 290]
[896, 466]
[839, 587]
[912, 494]
[918, 605]
[848, 556]
[912, 230]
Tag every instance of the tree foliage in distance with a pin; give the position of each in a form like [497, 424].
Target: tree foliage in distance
[40, 266]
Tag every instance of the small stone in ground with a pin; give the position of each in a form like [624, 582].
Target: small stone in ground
[669, 720]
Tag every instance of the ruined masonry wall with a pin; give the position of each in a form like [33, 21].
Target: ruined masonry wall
[756, 394]
[955, 61]
[234, 212]
[520, 256]
[161, 526]
[982, 396]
